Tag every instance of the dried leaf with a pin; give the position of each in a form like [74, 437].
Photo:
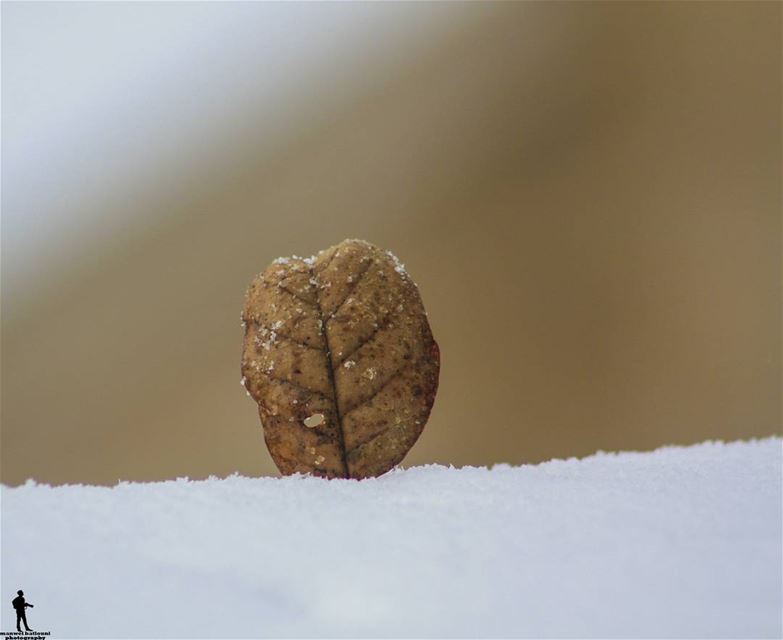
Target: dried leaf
[339, 356]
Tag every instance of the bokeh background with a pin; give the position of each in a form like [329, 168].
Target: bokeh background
[588, 195]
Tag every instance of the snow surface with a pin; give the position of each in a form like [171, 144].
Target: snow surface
[680, 542]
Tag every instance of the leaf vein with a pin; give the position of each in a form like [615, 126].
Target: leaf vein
[391, 378]
[296, 296]
[351, 289]
[384, 324]
[332, 382]
[295, 385]
[285, 336]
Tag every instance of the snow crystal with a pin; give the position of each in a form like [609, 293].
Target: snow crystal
[398, 266]
[314, 420]
[680, 542]
[288, 260]
[370, 373]
[349, 363]
[268, 336]
[265, 339]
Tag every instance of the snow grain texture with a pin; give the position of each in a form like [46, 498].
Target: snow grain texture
[680, 542]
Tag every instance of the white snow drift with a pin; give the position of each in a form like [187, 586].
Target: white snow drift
[679, 542]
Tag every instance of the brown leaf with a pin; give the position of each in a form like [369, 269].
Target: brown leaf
[340, 358]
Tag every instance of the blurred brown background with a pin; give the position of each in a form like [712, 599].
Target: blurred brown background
[588, 195]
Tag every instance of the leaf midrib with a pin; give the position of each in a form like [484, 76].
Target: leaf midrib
[330, 370]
